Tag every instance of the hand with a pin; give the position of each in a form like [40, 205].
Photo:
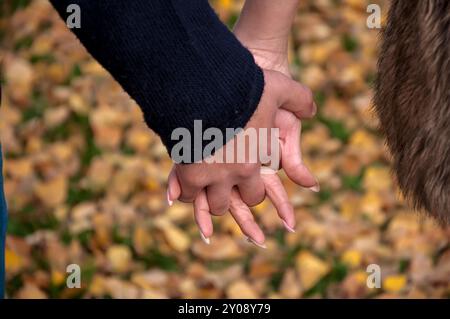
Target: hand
[239, 210]
[269, 45]
[219, 178]
[267, 55]
[269, 48]
[236, 198]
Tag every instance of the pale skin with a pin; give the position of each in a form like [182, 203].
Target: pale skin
[214, 189]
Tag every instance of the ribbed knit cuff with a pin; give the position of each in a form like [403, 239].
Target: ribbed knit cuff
[176, 59]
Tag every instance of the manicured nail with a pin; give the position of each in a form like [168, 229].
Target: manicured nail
[289, 228]
[170, 202]
[315, 188]
[206, 240]
[255, 243]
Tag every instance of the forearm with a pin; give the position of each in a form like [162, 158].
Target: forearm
[267, 22]
[175, 58]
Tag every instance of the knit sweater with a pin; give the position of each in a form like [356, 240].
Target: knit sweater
[175, 59]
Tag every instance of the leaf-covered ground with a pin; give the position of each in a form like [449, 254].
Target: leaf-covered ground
[85, 180]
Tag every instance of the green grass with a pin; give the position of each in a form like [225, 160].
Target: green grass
[353, 182]
[74, 73]
[320, 98]
[37, 107]
[119, 239]
[349, 43]
[337, 274]
[85, 237]
[23, 43]
[155, 258]
[325, 195]
[77, 195]
[46, 58]
[337, 129]
[403, 265]
[27, 221]
[232, 20]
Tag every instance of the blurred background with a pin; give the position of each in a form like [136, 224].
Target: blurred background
[86, 180]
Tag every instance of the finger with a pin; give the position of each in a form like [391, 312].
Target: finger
[188, 192]
[218, 198]
[252, 190]
[244, 218]
[189, 185]
[277, 194]
[297, 99]
[291, 159]
[203, 217]
[173, 187]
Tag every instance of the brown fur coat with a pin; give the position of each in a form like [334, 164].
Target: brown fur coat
[412, 100]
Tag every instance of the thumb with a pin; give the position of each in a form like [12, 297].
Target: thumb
[291, 158]
[173, 187]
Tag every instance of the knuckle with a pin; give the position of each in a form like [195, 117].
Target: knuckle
[219, 209]
[256, 199]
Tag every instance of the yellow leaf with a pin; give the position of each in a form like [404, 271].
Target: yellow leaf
[221, 248]
[142, 239]
[177, 239]
[310, 269]
[261, 207]
[174, 236]
[377, 179]
[352, 258]
[225, 4]
[119, 257]
[97, 287]
[54, 192]
[58, 277]
[241, 289]
[394, 283]
[361, 277]
[13, 262]
[371, 206]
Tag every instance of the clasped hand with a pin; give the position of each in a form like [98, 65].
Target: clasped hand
[215, 187]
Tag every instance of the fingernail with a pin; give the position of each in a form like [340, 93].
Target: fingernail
[170, 202]
[289, 228]
[315, 188]
[206, 240]
[263, 246]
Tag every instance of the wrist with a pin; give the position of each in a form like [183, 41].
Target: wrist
[258, 36]
[268, 53]
[266, 22]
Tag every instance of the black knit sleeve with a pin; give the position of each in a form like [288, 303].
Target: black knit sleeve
[174, 58]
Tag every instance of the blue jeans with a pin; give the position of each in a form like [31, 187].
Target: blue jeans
[3, 221]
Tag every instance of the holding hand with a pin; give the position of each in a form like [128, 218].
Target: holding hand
[268, 44]
[218, 187]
